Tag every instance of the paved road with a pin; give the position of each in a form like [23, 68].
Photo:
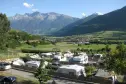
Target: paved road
[21, 74]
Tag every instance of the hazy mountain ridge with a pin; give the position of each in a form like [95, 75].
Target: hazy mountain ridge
[40, 23]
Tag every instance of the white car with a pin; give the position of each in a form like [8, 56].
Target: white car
[4, 66]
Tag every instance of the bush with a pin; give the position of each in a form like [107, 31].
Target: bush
[44, 42]
[25, 59]
[89, 70]
[36, 51]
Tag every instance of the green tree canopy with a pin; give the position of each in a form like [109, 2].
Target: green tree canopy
[42, 74]
[116, 61]
[4, 28]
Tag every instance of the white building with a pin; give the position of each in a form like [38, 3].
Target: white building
[73, 70]
[81, 59]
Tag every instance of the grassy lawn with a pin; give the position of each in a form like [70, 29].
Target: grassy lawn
[20, 80]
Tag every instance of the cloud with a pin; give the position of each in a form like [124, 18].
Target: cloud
[83, 14]
[99, 13]
[28, 5]
[34, 9]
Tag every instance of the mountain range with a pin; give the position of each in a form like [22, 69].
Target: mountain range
[113, 21]
[75, 24]
[40, 23]
[64, 25]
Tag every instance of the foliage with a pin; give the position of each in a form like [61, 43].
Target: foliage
[103, 23]
[89, 70]
[42, 74]
[26, 58]
[36, 51]
[43, 42]
[116, 61]
[4, 28]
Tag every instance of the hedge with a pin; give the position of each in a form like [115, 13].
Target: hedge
[37, 51]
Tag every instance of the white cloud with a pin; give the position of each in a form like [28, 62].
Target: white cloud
[28, 5]
[83, 14]
[34, 9]
[99, 13]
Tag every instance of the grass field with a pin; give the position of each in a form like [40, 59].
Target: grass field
[64, 46]
[11, 54]
[20, 80]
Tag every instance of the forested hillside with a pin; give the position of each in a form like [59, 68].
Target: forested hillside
[115, 20]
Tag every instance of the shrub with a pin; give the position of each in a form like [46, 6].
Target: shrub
[89, 70]
[36, 51]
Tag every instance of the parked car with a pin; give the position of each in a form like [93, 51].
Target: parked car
[4, 66]
[8, 80]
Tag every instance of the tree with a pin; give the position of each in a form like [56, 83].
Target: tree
[4, 28]
[117, 60]
[42, 74]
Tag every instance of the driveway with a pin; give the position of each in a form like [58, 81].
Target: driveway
[23, 74]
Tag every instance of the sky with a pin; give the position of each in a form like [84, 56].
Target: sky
[75, 8]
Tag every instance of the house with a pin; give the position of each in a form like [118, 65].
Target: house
[81, 59]
[71, 70]
[18, 62]
[35, 64]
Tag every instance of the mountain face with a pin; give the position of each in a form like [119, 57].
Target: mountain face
[115, 20]
[40, 23]
[75, 24]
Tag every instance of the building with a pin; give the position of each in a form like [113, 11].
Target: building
[81, 59]
[71, 70]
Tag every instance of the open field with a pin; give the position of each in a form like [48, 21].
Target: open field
[11, 53]
[20, 79]
[63, 46]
